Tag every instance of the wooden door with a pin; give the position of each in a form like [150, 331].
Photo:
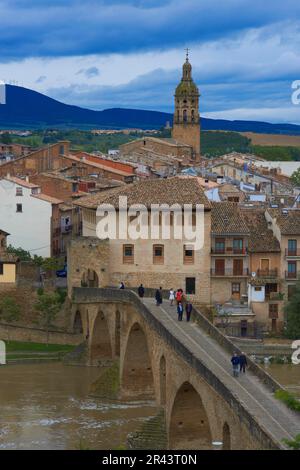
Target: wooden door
[220, 267]
[236, 291]
[265, 266]
[237, 267]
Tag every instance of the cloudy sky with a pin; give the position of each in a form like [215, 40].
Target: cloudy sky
[128, 53]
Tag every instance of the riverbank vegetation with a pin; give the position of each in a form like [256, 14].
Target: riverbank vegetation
[295, 444]
[289, 399]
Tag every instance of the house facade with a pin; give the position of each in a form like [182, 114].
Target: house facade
[156, 262]
[28, 215]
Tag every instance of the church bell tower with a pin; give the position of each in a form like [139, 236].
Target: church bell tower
[186, 121]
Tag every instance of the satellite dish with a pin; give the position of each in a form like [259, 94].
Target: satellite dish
[254, 274]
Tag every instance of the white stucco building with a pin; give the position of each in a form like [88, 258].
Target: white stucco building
[27, 215]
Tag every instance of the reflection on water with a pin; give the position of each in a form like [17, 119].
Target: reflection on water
[46, 406]
[286, 374]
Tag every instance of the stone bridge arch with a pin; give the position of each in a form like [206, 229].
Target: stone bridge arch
[100, 340]
[226, 437]
[154, 364]
[189, 424]
[162, 380]
[77, 324]
[90, 278]
[136, 370]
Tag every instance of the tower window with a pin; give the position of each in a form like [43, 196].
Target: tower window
[184, 115]
[193, 115]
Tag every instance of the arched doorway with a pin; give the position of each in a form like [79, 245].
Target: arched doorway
[117, 333]
[137, 377]
[101, 344]
[90, 279]
[189, 426]
[77, 327]
[162, 380]
[226, 437]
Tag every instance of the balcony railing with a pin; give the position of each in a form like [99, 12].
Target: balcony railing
[229, 272]
[267, 273]
[289, 252]
[291, 275]
[229, 250]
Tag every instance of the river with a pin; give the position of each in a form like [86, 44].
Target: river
[286, 374]
[47, 406]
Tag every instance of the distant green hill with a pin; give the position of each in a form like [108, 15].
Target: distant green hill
[26, 108]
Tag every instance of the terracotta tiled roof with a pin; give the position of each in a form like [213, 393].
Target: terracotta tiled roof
[46, 198]
[228, 219]
[22, 182]
[228, 188]
[261, 238]
[3, 232]
[152, 191]
[287, 220]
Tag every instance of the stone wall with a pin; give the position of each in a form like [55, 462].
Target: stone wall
[47, 158]
[36, 335]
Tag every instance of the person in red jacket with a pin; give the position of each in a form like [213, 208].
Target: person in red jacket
[179, 294]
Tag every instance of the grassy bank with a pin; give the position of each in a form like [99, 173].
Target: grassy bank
[19, 351]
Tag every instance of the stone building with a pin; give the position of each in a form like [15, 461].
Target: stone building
[186, 121]
[155, 262]
[229, 252]
[285, 224]
[185, 142]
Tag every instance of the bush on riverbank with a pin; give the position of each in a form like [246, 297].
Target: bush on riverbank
[289, 399]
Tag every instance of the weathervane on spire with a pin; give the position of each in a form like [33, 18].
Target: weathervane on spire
[187, 54]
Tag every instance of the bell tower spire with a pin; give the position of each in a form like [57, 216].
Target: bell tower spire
[186, 122]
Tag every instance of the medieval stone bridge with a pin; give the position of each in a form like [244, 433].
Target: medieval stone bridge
[185, 367]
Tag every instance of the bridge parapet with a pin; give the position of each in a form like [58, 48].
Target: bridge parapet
[91, 295]
[241, 409]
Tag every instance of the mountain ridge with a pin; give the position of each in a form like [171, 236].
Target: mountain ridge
[31, 109]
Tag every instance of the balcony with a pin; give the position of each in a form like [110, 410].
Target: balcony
[229, 251]
[292, 253]
[271, 273]
[291, 275]
[229, 272]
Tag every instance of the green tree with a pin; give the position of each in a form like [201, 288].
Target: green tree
[295, 177]
[9, 309]
[48, 305]
[292, 312]
[6, 138]
[23, 255]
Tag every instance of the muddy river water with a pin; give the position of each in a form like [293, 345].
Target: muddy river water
[48, 406]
